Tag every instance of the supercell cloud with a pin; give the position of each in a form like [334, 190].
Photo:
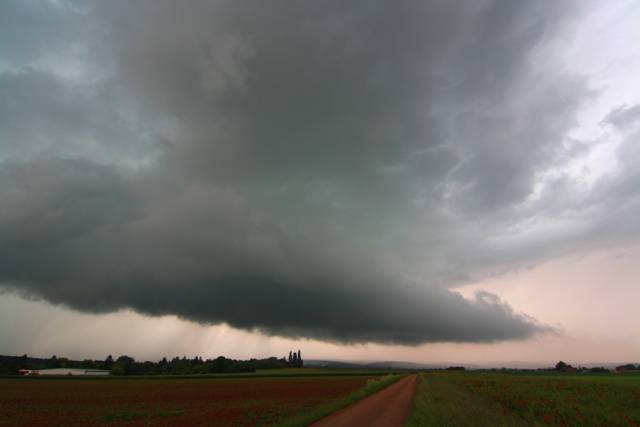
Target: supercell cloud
[325, 170]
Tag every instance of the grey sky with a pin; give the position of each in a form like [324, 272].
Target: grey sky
[319, 170]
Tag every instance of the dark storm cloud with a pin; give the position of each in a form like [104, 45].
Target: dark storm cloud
[78, 234]
[309, 169]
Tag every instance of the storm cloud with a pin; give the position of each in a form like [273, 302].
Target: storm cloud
[323, 170]
[79, 234]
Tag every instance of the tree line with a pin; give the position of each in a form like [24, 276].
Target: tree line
[565, 367]
[295, 359]
[126, 365]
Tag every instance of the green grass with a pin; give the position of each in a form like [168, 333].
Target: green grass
[372, 386]
[440, 402]
[489, 399]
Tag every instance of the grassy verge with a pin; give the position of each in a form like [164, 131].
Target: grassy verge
[441, 403]
[372, 386]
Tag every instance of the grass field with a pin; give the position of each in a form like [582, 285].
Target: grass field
[241, 401]
[488, 399]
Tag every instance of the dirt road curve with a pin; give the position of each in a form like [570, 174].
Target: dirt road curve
[387, 408]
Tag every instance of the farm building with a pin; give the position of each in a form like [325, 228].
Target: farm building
[68, 371]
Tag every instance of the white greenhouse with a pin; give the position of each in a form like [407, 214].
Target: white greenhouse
[68, 371]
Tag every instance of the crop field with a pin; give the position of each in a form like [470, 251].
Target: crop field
[487, 399]
[163, 402]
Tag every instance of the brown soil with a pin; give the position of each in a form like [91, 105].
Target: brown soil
[237, 402]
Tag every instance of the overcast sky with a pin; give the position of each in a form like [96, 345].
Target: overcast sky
[426, 181]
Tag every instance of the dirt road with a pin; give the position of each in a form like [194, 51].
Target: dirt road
[389, 407]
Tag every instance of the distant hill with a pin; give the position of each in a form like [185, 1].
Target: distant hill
[316, 363]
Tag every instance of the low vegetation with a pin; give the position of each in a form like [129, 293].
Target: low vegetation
[494, 399]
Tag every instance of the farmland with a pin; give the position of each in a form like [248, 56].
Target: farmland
[296, 397]
[494, 399]
[241, 401]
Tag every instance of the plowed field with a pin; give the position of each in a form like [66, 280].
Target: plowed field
[164, 402]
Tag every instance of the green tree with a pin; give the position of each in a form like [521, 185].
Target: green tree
[108, 362]
[53, 362]
[124, 365]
